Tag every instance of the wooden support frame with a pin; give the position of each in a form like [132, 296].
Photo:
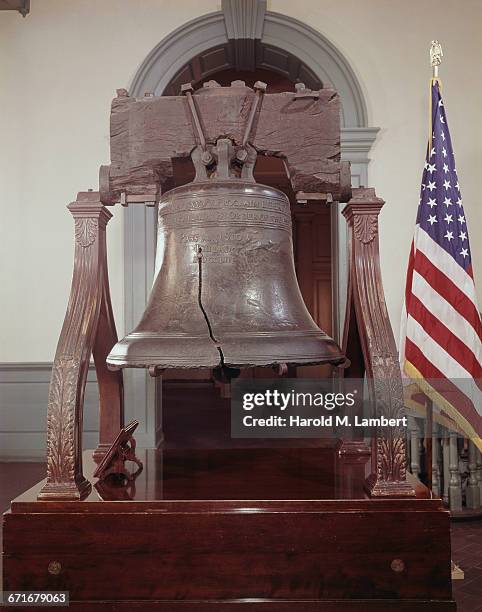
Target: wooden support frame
[370, 344]
[88, 328]
[147, 134]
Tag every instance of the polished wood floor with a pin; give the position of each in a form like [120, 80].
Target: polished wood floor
[466, 536]
[467, 553]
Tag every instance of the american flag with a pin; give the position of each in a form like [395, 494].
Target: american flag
[441, 331]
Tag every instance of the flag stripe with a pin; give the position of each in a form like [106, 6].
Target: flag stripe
[442, 335]
[445, 263]
[433, 351]
[454, 324]
[449, 291]
[417, 401]
[440, 401]
[443, 361]
[443, 385]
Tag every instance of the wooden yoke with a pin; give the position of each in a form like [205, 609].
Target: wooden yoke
[88, 327]
[147, 134]
[369, 343]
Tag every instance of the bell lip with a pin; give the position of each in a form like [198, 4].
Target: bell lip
[261, 335]
[173, 363]
[142, 365]
[252, 351]
[145, 365]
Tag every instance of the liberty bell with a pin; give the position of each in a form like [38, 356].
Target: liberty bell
[225, 294]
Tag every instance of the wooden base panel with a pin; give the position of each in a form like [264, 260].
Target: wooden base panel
[177, 548]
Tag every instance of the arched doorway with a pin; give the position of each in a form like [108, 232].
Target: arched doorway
[285, 51]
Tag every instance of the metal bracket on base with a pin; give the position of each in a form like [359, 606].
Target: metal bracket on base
[121, 450]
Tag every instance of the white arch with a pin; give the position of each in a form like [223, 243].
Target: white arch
[279, 31]
[176, 50]
[321, 56]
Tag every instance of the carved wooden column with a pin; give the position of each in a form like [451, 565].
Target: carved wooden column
[473, 493]
[446, 470]
[414, 437]
[436, 463]
[455, 481]
[368, 327]
[89, 297]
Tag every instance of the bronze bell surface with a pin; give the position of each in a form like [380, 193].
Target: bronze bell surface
[225, 294]
[225, 291]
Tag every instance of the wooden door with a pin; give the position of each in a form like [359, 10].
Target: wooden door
[312, 249]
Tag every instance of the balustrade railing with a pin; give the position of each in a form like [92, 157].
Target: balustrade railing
[456, 466]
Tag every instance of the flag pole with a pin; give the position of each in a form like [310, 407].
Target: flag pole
[436, 55]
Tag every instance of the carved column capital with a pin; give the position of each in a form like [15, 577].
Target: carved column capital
[88, 205]
[364, 201]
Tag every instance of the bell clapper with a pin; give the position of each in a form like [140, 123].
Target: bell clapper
[281, 369]
[225, 375]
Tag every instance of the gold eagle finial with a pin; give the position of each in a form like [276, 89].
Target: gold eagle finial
[436, 55]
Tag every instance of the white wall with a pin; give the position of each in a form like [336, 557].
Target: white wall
[59, 70]
[60, 67]
[386, 43]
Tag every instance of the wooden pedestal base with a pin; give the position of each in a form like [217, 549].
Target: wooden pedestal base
[197, 535]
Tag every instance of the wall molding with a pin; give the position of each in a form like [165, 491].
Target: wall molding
[244, 18]
[175, 50]
[356, 143]
[24, 391]
[278, 32]
[244, 21]
[323, 58]
[24, 388]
